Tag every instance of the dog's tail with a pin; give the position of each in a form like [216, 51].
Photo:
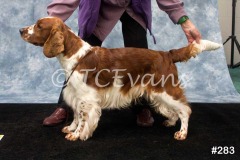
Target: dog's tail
[184, 54]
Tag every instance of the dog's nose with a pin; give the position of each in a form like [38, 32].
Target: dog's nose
[21, 30]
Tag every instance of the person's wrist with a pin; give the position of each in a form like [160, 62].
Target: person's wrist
[183, 19]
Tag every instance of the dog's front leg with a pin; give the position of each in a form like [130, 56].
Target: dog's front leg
[88, 115]
[76, 125]
[90, 122]
[73, 102]
[73, 125]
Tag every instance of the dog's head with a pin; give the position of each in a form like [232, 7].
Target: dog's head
[47, 32]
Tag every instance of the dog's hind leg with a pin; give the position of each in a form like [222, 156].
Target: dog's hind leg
[178, 108]
[170, 114]
[161, 107]
[183, 110]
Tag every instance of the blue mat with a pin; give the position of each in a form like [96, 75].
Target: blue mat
[29, 77]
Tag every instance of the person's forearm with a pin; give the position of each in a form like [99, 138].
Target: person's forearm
[174, 9]
[62, 9]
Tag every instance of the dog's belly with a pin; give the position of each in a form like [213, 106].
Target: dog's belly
[114, 98]
[110, 98]
[77, 92]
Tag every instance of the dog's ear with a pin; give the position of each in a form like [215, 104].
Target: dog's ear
[54, 44]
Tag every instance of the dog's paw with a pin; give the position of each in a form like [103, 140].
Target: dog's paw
[72, 136]
[66, 130]
[180, 135]
[168, 123]
[85, 137]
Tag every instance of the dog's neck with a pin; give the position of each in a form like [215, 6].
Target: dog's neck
[74, 49]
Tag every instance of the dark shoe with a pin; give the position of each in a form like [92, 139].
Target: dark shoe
[57, 117]
[144, 118]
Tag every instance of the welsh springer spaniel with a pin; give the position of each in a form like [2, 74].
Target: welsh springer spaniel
[101, 78]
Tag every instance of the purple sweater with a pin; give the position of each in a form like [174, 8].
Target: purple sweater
[91, 15]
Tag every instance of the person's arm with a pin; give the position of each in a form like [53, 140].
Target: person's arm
[62, 9]
[175, 11]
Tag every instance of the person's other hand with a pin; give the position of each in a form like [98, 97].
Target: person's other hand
[191, 32]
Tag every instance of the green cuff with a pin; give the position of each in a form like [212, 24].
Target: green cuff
[182, 19]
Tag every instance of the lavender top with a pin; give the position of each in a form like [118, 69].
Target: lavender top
[110, 12]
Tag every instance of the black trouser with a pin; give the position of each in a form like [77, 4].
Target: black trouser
[134, 35]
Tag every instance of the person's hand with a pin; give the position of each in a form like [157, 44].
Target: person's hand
[191, 32]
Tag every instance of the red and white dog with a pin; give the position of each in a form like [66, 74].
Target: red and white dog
[101, 78]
